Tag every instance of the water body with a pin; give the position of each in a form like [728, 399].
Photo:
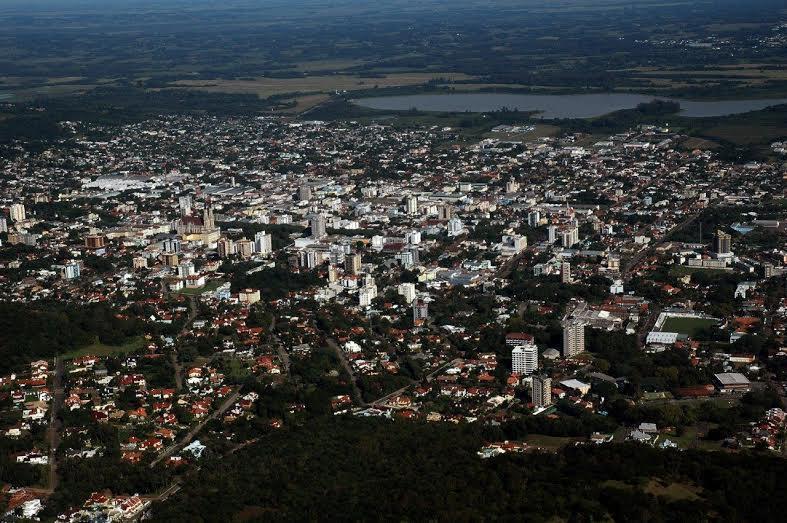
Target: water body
[557, 105]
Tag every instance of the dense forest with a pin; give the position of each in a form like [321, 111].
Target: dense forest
[43, 330]
[348, 469]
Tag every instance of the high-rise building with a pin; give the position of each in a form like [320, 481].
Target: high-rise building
[455, 227]
[225, 247]
[185, 205]
[445, 212]
[524, 359]
[411, 205]
[352, 263]
[407, 290]
[552, 234]
[366, 294]
[573, 338]
[542, 391]
[171, 245]
[3, 224]
[533, 218]
[71, 271]
[420, 311]
[318, 225]
[305, 192]
[565, 272]
[95, 241]
[245, 248]
[722, 243]
[263, 242]
[17, 212]
[512, 186]
[570, 236]
[768, 270]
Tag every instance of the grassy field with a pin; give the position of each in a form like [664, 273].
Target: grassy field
[265, 87]
[689, 326]
[209, 287]
[100, 349]
[547, 442]
[683, 270]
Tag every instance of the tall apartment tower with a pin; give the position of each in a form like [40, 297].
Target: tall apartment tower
[565, 272]
[352, 263]
[225, 247]
[552, 233]
[318, 226]
[185, 205]
[305, 192]
[411, 205]
[17, 212]
[445, 212]
[542, 391]
[263, 242]
[722, 243]
[573, 338]
[524, 359]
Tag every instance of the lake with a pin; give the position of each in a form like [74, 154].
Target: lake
[557, 105]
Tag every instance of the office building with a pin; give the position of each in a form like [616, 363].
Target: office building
[542, 391]
[573, 338]
[524, 359]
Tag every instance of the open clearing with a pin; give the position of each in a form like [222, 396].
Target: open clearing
[689, 326]
[100, 349]
[265, 87]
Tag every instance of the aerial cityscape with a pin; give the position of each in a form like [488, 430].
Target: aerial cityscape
[392, 273]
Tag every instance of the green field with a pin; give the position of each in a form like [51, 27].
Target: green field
[688, 326]
[100, 349]
[209, 287]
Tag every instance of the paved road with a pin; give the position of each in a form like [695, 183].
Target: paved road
[185, 440]
[429, 378]
[628, 269]
[55, 425]
[284, 357]
[348, 368]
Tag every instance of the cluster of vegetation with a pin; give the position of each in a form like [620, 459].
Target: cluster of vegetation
[361, 469]
[43, 330]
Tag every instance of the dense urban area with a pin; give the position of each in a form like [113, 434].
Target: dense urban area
[181, 293]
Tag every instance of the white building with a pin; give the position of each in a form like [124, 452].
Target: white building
[524, 359]
[17, 212]
[263, 243]
[573, 338]
[407, 290]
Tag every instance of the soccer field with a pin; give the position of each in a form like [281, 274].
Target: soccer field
[689, 326]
